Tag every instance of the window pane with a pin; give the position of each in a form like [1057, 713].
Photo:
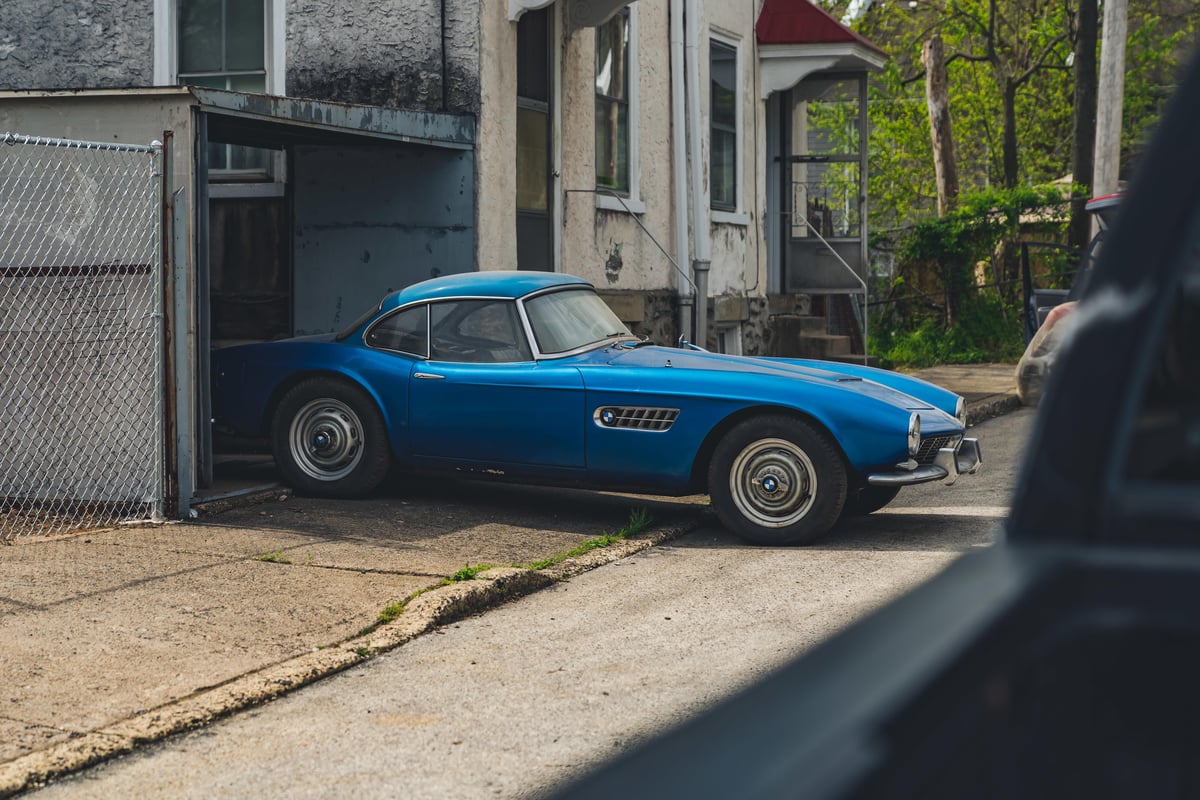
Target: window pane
[612, 145]
[827, 197]
[612, 103]
[723, 76]
[724, 124]
[244, 33]
[199, 35]
[478, 331]
[532, 158]
[248, 83]
[612, 57]
[723, 178]
[533, 55]
[249, 158]
[826, 123]
[407, 332]
[218, 156]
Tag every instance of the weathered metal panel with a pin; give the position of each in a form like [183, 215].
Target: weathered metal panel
[369, 220]
[423, 127]
[813, 267]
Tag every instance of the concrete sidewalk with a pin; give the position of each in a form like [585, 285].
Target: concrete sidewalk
[112, 639]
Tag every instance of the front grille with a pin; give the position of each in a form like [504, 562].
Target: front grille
[636, 417]
[931, 444]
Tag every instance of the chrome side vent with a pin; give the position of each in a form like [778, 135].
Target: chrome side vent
[637, 418]
[931, 444]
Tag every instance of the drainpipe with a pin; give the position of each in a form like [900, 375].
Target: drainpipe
[679, 166]
[700, 224]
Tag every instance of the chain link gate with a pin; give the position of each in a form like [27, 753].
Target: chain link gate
[81, 364]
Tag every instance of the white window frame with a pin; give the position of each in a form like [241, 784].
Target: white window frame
[634, 202]
[166, 62]
[166, 73]
[737, 216]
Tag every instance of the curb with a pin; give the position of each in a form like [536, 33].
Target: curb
[990, 407]
[426, 612]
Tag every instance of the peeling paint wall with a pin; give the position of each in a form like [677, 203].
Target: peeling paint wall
[93, 45]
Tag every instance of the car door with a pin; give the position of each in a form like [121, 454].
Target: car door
[480, 398]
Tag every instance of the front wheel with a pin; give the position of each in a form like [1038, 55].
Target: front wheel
[777, 480]
[329, 439]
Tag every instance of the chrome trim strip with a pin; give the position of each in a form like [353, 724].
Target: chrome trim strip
[428, 376]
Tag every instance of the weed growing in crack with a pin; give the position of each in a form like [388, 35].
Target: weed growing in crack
[639, 520]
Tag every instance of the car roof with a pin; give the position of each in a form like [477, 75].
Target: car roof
[488, 283]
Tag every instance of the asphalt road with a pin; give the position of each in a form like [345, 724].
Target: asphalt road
[513, 701]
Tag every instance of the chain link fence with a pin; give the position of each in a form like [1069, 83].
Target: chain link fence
[81, 368]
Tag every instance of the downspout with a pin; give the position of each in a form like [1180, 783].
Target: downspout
[679, 167]
[703, 252]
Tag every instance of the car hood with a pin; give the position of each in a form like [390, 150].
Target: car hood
[651, 357]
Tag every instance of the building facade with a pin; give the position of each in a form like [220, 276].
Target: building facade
[701, 162]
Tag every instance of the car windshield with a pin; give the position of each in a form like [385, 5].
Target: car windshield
[567, 320]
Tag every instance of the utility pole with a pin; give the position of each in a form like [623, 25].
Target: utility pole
[1106, 173]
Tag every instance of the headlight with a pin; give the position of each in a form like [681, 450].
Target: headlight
[960, 411]
[914, 434]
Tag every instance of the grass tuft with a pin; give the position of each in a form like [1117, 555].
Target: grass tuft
[639, 520]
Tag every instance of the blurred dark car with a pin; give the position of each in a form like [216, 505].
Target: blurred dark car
[1064, 661]
[1047, 310]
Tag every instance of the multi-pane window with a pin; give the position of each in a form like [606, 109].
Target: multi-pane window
[222, 45]
[723, 114]
[612, 103]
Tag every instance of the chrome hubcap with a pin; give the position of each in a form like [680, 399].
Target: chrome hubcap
[326, 439]
[773, 483]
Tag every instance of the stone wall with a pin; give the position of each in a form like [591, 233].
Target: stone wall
[47, 44]
[392, 53]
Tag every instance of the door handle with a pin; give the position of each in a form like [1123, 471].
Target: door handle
[428, 376]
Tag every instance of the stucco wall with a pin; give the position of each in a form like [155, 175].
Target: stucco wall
[46, 44]
[386, 53]
[607, 246]
[496, 168]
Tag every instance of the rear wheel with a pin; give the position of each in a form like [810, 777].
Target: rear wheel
[329, 439]
[777, 480]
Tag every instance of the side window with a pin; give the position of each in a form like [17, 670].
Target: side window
[477, 331]
[406, 331]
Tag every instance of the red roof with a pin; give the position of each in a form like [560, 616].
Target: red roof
[801, 22]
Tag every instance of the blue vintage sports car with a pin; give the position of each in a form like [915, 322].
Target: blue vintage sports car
[529, 376]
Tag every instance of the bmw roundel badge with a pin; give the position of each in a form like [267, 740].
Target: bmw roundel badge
[608, 416]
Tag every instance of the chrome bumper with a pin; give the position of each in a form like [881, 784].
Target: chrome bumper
[948, 464]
